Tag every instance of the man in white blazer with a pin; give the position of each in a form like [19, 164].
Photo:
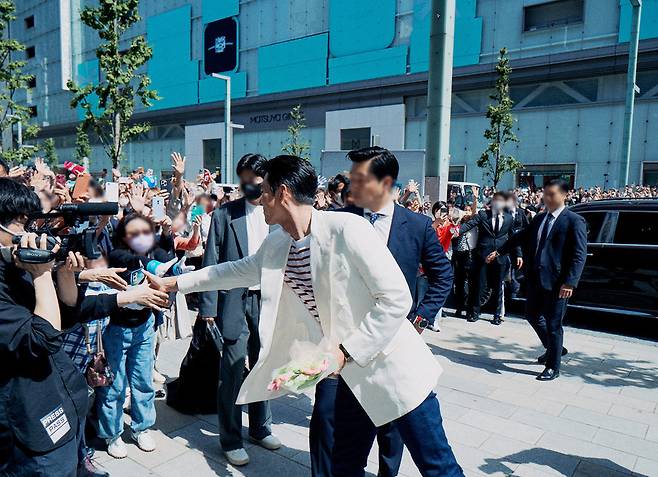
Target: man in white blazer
[355, 297]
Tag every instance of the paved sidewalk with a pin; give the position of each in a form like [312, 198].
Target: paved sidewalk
[598, 419]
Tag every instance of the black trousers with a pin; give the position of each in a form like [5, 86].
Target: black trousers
[321, 436]
[231, 375]
[545, 311]
[492, 275]
[461, 263]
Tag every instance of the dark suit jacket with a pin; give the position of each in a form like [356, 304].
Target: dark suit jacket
[563, 257]
[488, 240]
[227, 241]
[413, 242]
[520, 220]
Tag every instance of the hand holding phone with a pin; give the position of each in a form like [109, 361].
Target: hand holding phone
[158, 208]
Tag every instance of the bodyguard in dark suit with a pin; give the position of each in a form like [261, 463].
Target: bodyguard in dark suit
[494, 227]
[413, 243]
[519, 222]
[555, 249]
[237, 229]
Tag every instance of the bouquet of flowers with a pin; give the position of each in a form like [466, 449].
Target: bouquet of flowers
[309, 365]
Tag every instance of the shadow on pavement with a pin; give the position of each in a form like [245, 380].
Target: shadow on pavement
[604, 368]
[563, 464]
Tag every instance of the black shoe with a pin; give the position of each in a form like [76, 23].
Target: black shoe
[472, 317]
[496, 321]
[87, 468]
[459, 313]
[548, 374]
[542, 359]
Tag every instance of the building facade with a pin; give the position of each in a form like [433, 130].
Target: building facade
[359, 70]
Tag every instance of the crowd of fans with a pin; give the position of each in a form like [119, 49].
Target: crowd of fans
[160, 227]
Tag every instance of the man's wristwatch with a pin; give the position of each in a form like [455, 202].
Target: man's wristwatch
[421, 322]
[348, 356]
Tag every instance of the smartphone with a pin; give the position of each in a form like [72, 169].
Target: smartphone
[218, 175]
[60, 179]
[112, 192]
[81, 186]
[158, 208]
[197, 210]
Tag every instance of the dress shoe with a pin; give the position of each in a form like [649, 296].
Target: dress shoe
[548, 374]
[459, 313]
[472, 317]
[496, 321]
[542, 359]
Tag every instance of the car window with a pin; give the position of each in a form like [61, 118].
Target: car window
[594, 222]
[637, 228]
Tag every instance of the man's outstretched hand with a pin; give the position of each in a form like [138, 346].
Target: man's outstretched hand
[165, 284]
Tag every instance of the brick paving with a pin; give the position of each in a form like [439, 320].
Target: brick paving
[599, 419]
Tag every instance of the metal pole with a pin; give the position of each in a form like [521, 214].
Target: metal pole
[631, 89]
[439, 98]
[228, 129]
[20, 133]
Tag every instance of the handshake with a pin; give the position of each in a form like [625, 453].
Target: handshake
[494, 255]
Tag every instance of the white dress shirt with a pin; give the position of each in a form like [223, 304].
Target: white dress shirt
[501, 219]
[383, 223]
[556, 213]
[257, 229]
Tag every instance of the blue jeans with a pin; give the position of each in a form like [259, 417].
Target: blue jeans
[421, 430]
[130, 354]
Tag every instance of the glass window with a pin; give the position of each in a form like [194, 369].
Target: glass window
[212, 154]
[650, 173]
[30, 52]
[637, 228]
[457, 173]
[552, 14]
[29, 22]
[354, 138]
[594, 224]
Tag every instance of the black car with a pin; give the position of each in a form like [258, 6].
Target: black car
[621, 272]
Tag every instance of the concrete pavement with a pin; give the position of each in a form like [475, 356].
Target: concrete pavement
[600, 418]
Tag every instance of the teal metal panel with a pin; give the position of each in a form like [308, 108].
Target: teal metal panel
[357, 26]
[468, 35]
[294, 64]
[174, 75]
[648, 24]
[213, 89]
[216, 9]
[373, 64]
[88, 73]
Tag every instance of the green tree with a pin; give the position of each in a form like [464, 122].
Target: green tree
[82, 144]
[494, 161]
[12, 80]
[296, 145]
[109, 105]
[50, 153]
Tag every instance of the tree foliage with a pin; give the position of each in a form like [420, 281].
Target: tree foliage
[12, 80]
[109, 105]
[50, 156]
[82, 144]
[500, 133]
[296, 145]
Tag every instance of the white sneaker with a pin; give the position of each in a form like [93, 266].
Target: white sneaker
[144, 440]
[158, 378]
[117, 448]
[270, 442]
[237, 457]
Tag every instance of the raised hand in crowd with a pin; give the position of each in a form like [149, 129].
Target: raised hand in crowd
[107, 276]
[144, 295]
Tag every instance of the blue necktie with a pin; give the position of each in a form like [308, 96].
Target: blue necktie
[372, 217]
[544, 234]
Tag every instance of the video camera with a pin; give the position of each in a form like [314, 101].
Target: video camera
[70, 224]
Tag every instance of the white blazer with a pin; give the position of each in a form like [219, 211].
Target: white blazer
[362, 300]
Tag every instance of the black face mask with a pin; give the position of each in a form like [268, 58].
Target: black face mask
[251, 191]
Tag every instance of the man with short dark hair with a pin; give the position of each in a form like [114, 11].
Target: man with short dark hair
[237, 230]
[43, 397]
[328, 277]
[335, 189]
[494, 227]
[555, 249]
[413, 243]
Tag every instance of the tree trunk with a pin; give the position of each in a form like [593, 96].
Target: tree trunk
[116, 150]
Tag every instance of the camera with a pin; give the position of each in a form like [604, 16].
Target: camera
[69, 225]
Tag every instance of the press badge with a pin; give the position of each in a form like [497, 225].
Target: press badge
[56, 424]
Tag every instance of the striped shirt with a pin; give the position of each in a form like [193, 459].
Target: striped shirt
[298, 274]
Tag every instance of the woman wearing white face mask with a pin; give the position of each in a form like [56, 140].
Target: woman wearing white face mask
[129, 339]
